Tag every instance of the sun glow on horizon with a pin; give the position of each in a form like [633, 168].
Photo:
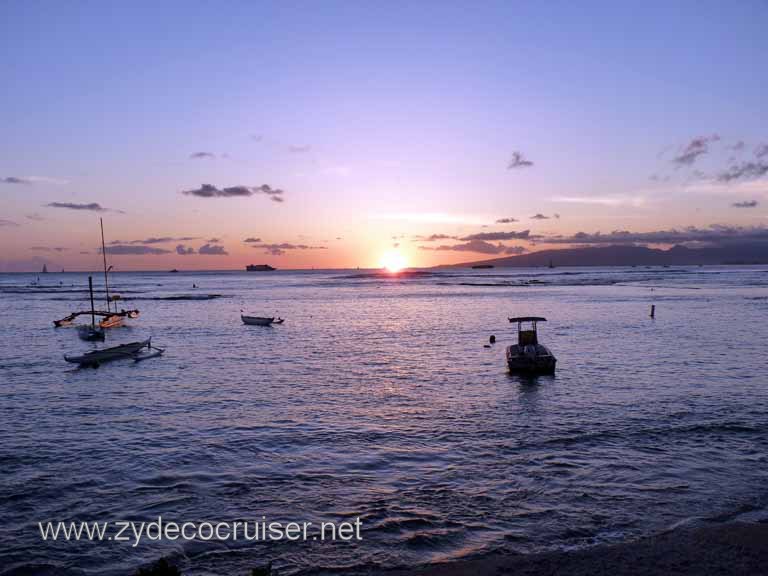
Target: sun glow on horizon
[393, 261]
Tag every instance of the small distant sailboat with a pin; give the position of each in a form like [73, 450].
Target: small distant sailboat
[45, 269]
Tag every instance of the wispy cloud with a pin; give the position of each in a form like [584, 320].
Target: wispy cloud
[4, 222]
[212, 250]
[523, 235]
[539, 216]
[761, 151]
[743, 170]
[738, 146]
[506, 220]
[694, 149]
[202, 155]
[615, 200]
[155, 240]
[134, 250]
[31, 180]
[184, 250]
[281, 248]
[299, 149]
[35, 217]
[252, 240]
[48, 249]
[745, 204]
[211, 191]
[477, 246]
[518, 161]
[92, 206]
[434, 238]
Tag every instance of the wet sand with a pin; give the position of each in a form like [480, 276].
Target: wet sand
[734, 549]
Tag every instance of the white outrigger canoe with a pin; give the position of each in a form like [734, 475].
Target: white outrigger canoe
[130, 350]
[260, 320]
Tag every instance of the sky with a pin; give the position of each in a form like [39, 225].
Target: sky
[345, 134]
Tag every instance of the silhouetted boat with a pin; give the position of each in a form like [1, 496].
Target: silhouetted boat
[111, 318]
[91, 333]
[260, 320]
[528, 356]
[96, 357]
[45, 269]
[259, 268]
[482, 266]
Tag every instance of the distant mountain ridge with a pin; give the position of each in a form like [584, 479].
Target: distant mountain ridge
[622, 255]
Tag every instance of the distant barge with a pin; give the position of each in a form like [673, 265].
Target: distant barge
[259, 268]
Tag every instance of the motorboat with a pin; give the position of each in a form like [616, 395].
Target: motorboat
[528, 356]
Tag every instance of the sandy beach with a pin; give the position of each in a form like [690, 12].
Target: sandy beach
[734, 549]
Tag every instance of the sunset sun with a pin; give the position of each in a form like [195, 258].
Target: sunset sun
[393, 261]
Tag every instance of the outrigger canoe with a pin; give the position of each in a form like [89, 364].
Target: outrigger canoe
[260, 320]
[96, 357]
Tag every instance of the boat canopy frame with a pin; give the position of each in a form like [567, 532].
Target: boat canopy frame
[526, 337]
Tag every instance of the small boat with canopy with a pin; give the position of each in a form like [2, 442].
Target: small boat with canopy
[528, 356]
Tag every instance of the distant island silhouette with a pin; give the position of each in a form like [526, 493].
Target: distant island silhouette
[618, 255]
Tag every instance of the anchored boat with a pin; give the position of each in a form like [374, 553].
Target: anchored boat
[97, 357]
[110, 318]
[260, 320]
[528, 356]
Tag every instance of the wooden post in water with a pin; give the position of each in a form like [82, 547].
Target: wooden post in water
[653, 310]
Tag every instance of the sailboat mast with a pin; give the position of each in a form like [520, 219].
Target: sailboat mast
[104, 254]
[93, 310]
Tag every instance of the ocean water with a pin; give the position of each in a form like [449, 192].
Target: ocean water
[377, 399]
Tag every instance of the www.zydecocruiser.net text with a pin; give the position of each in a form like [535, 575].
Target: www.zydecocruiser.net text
[262, 530]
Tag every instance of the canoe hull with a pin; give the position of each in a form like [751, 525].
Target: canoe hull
[531, 359]
[97, 357]
[90, 334]
[260, 320]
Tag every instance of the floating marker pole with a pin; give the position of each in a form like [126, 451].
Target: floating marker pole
[653, 310]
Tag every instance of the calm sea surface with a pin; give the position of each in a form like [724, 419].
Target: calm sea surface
[378, 399]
